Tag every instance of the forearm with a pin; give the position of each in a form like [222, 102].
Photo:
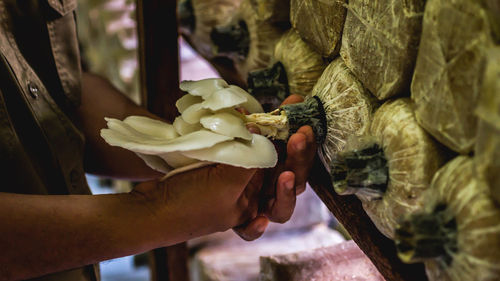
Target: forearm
[100, 99]
[43, 234]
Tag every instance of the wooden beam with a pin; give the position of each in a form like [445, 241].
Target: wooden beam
[159, 56]
[349, 212]
[159, 62]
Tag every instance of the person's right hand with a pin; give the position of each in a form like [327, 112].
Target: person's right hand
[206, 200]
[285, 181]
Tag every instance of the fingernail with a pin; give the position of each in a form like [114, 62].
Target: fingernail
[253, 129]
[289, 185]
[301, 145]
[262, 227]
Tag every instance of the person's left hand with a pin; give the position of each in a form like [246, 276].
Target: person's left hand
[284, 182]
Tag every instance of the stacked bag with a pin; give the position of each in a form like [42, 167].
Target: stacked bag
[409, 91]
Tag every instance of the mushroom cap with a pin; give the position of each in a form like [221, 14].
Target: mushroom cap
[183, 128]
[186, 101]
[123, 135]
[226, 124]
[203, 87]
[151, 127]
[257, 153]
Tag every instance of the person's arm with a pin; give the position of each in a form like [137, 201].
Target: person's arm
[42, 234]
[288, 179]
[100, 99]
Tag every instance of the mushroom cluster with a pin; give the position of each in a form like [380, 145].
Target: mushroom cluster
[209, 130]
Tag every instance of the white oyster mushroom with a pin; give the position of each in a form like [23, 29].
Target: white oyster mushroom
[224, 98]
[186, 101]
[152, 127]
[155, 162]
[176, 159]
[124, 135]
[141, 143]
[122, 128]
[252, 105]
[210, 105]
[257, 153]
[226, 124]
[193, 113]
[203, 87]
[183, 128]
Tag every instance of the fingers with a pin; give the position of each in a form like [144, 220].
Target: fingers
[280, 208]
[252, 229]
[293, 99]
[242, 110]
[252, 128]
[301, 149]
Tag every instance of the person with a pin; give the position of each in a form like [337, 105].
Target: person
[50, 116]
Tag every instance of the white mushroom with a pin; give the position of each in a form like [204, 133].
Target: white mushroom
[224, 98]
[132, 140]
[193, 113]
[155, 162]
[257, 153]
[227, 124]
[211, 105]
[203, 87]
[152, 127]
[186, 101]
[183, 128]
[252, 105]
[125, 129]
[176, 159]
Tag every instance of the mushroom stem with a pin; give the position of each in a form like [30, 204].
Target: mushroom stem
[231, 39]
[427, 235]
[285, 121]
[270, 81]
[310, 112]
[187, 18]
[361, 171]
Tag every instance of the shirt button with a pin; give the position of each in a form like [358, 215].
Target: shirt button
[33, 89]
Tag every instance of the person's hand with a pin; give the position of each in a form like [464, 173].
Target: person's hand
[284, 182]
[219, 197]
[206, 200]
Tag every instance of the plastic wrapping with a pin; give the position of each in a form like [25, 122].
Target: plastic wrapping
[197, 18]
[301, 64]
[338, 108]
[492, 8]
[277, 11]
[319, 23]
[348, 107]
[449, 70]
[394, 165]
[487, 150]
[380, 42]
[247, 40]
[457, 234]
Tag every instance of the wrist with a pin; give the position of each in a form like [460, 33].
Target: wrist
[170, 214]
